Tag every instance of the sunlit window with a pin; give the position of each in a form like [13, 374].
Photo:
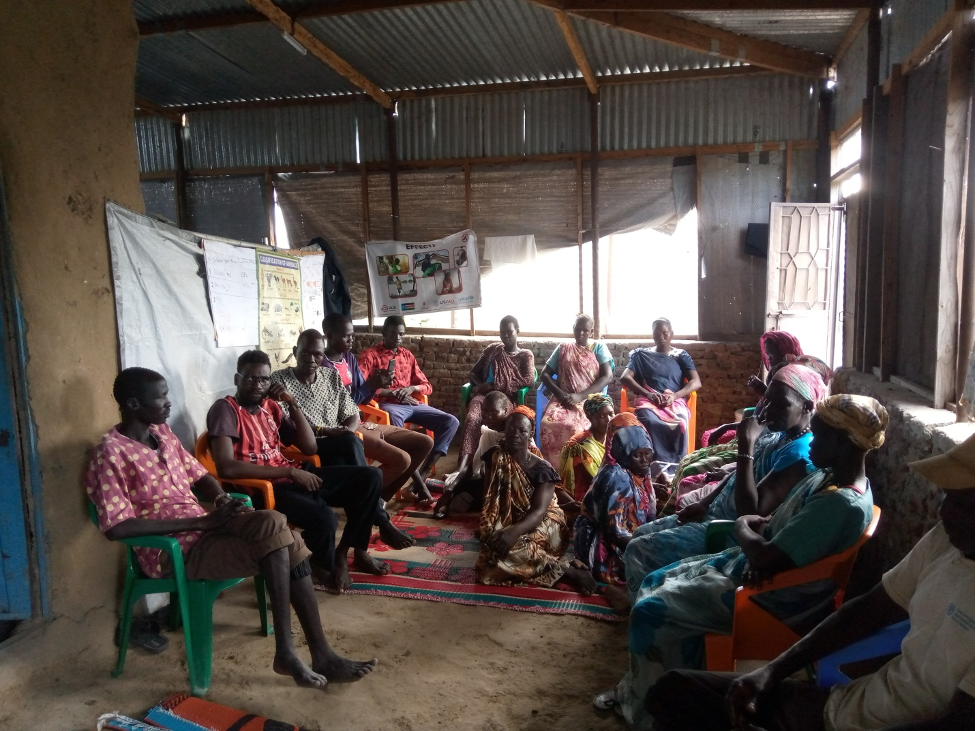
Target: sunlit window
[849, 151]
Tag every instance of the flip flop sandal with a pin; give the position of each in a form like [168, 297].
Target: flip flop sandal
[145, 634]
[606, 701]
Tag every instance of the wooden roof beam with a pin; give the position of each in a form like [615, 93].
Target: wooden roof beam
[713, 41]
[576, 48]
[156, 110]
[210, 21]
[572, 6]
[851, 34]
[320, 50]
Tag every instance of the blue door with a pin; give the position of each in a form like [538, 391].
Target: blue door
[15, 577]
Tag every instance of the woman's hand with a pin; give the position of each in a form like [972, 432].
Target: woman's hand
[665, 399]
[502, 542]
[693, 513]
[755, 523]
[747, 432]
[743, 695]
[754, 578]
[757, 386]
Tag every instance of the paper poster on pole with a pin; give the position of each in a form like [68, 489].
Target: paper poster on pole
[280, 306]
[232, 285]
[313, 309]
[408, 277]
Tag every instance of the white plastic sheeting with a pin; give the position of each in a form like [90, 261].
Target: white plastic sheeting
[163, 317]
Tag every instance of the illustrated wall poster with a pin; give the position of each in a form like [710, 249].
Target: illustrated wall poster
[408, 277]
[280, 306]
[313, 309]
[232, 285]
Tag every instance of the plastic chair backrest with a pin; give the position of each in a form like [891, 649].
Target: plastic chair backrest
[887, 641]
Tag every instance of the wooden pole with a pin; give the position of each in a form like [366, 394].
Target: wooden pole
[392, 161]
[468, 225]
[365, 200]
[856, 298]
[788, 169]
[965, 344]
[956, 149]
[594, 207]
[890, 225]
[269, 195]
[873, 57]
[823, 175]
[873, 251]
[580, 227]
[180, 178]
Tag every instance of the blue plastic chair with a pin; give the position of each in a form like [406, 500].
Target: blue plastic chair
[542, 401]
[887, 641]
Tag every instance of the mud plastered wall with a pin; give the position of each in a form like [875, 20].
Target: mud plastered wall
[723, 367]
[66, 145]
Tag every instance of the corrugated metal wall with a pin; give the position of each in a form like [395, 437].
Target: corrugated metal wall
[850, 90]
[760, 108]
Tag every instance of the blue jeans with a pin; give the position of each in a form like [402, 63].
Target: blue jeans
[443, 425]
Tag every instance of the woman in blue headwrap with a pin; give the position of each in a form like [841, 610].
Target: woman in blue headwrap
[621, 499]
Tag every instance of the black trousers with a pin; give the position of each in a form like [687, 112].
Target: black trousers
[346, 450]
[354, 489]
[693, 700]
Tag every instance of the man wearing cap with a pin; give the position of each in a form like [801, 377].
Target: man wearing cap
[929, 685]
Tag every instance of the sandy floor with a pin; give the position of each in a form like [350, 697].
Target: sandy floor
[442, 666]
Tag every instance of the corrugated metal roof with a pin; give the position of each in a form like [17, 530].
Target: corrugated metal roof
[612, 51]
[815, 30]
[763, 108]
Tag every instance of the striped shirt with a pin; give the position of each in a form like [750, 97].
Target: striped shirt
[257, 437]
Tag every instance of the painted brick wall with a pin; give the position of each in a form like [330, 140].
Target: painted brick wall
[724, 368]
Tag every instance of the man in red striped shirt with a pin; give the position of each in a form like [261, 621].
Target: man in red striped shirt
[246, 434]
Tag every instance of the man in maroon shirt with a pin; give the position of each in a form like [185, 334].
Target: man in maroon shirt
[407, 379]
[141, 480]
[246, 434]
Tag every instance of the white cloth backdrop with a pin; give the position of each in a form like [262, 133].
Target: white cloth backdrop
[163, 316]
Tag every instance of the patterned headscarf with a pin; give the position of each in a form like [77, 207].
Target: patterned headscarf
[862, 417]
[620, 421]
[801, 379]
[786, 343]
[627, 440]
[595, 402]
[815, 364]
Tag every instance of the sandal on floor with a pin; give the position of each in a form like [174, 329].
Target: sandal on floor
[144, 633]
[606, 701]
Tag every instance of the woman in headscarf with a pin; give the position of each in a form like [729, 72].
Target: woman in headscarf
[574, 371]
[523, 531]
[824, 514]
[503, 366]
[621, 499]
[662, 378]
[773, 455]
[581, 456]
[776, 346]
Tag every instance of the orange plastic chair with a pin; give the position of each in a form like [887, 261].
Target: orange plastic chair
[252, 488]
[757, 634]
[372, 412]
[692, 401]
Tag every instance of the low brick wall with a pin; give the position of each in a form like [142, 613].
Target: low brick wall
[724, 368]
[909, 503]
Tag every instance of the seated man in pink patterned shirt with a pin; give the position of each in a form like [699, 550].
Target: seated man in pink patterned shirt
[141, 480]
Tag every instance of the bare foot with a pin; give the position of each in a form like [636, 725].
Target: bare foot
[324, 578]
[393, 537]
[340, 574]
[618, 599]
[580, 579]
[369, 565]
[421, 493]
[288, 663]
[338, 669]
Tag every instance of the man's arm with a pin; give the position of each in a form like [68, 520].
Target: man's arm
[136, 527]
[856, 620]
[417, 378]
[304, 434]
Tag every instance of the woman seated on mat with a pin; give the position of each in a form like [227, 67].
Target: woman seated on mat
[775, 347]
[582, 455]
[824, 514]
[582, 368]
[504, 367]
[621, 499]
[655, 376]
[523, 531]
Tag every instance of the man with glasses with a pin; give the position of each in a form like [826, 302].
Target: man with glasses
[246, 434]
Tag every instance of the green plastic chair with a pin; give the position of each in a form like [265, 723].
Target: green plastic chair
[466, 395]
[191, 603]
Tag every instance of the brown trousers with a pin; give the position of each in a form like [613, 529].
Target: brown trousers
[233, 550]
[399, 451]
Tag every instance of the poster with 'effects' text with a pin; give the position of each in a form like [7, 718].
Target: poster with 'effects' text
[280, 306]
